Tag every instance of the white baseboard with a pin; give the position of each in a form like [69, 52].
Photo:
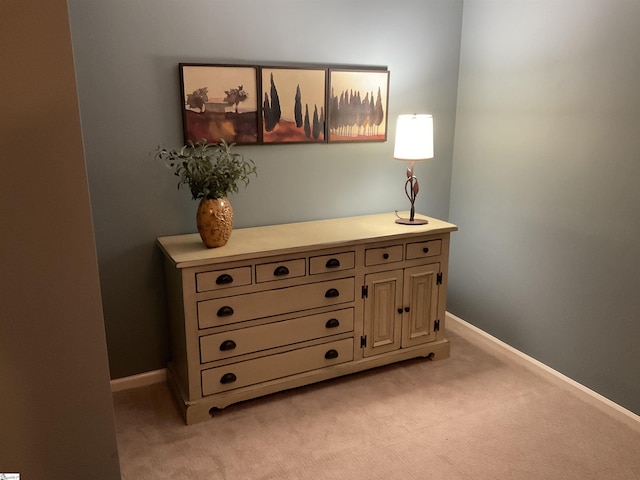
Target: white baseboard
[140, 380]
[457, 324]
[586, 394]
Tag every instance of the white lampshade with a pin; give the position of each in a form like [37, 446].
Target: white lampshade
[414, 138]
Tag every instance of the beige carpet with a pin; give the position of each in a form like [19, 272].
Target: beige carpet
[477, 415]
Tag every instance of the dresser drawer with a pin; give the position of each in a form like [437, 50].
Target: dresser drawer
[218, 279]
[250, 372]
[263, 337]
[268, 272]
[332, 263]
[431, 248]
[382, 255]
[239, 308]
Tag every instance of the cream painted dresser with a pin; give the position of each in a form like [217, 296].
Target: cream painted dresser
[287, 305]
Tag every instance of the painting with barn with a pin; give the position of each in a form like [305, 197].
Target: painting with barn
[293, 105]
[357, 105]
[219, 102]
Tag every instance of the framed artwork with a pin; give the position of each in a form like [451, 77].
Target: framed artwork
[293, 104]
[358, 105]
[219, 102]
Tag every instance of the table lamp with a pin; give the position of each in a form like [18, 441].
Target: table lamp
[414, 143]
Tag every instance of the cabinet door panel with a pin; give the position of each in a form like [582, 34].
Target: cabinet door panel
[382, 320]
[421, 298]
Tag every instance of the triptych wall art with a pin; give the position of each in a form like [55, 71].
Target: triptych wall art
[277, 105]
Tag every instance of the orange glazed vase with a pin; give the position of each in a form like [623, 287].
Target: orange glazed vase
[215, 221]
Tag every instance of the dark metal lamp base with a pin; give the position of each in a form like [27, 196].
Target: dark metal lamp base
[408, 221]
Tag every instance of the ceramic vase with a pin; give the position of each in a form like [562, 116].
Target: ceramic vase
[215, 221]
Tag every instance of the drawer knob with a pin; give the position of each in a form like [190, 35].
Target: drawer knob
[332, 293]
[425, 249]
[224, 279]
[228, 378]
[407, 309]
[332, 323]
[227, 345]
[400, 310]
[331, 354]
[332, 263]
[225, 311]
[281, 271]
[385, 256]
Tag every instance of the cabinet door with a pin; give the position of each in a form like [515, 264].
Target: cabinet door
[420, 304]
[383, 312]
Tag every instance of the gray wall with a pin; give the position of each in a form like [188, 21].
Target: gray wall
[546, 185]
[127, 54]
[56, 411]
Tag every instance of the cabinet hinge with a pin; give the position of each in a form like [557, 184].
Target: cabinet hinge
[436, 326]
[365, 291]
[363, 341]
[439, 279]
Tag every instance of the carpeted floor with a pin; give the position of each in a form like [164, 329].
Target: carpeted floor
[476, 415]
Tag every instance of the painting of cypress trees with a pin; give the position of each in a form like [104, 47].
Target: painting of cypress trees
[219, 102]
[357, 105]
[288, 97]
[296, 103]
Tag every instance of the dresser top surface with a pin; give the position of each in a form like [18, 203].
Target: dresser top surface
[189, 251]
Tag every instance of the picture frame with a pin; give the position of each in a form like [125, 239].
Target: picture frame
[353, 115]
[219, 102]
[294, 104]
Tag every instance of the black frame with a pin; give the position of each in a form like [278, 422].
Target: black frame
[221, 113]
[216, 116]
[354, 115]
[301, 94]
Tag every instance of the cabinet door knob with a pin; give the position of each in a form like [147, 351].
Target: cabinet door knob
[385, 256]
[332, 293]
[224, 279]
[332, 263]
[228, 378]
[331, 354]
[400, 310]
[425, 249]
[407, 309]
[332, 323]
[227, 345]
[281, 271]
[225, 311]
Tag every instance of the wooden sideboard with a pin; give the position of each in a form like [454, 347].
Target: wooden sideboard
[287, 305]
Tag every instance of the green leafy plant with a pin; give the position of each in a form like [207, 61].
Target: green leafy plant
[210, 170]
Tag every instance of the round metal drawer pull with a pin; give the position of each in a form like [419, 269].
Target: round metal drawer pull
[332, 323]
[425, 249]
[224, 279]
[227, 345]
[228, 378]
[385, 256]
[332, 293]
[331, 354]
[225, 311]
[281, 271]
[332, 263]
